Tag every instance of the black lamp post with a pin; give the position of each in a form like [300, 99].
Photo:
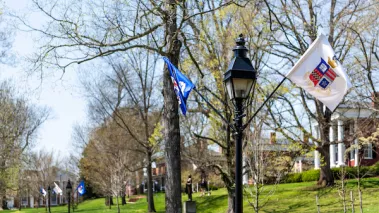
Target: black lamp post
[239, 79]
[68, 191]
[48, 197]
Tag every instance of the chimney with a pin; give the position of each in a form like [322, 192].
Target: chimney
[203, 145]
[375, 100]
[272, 137]
[305, 138]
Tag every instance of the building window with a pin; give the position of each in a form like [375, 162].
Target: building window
[53, 199]
[352, 154]
[367, 151]
[24, 201]
[163, 170]
[336, 155]
[351, 130]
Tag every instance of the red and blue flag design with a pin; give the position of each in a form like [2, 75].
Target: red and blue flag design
[323, 75]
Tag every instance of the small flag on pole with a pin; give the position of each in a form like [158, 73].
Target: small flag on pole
[182, 85]
[81, 188]
[321, 74]
[57, 190]
[43, 192]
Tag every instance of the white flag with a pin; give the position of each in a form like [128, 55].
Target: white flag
[57, 190]
[321, 74]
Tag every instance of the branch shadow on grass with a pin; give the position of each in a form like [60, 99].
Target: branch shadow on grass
[206, 202]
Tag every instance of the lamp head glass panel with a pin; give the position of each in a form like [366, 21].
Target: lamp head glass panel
[242, 87]
[229, 88]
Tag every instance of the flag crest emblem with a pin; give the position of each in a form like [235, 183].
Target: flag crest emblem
[323, 75]
[80, 189]
[182, 85]
[319, 73]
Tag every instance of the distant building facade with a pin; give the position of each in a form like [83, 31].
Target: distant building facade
[30, 196]
[348, 125]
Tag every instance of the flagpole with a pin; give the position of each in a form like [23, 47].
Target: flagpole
[264, 103]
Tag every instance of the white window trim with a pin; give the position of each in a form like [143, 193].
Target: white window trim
[369, 151]
[352, 154]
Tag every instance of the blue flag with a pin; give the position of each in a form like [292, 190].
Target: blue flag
[81, 188]
[42, 191]
[182, 85]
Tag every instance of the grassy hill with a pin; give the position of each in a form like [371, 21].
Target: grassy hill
[295, 197]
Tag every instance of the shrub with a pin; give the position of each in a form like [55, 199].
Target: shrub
[270, 179]
[293, 178]
[336, 173]
[212, 187]
[351, 172]
[375, 169]
[364, 170]
[310, 175]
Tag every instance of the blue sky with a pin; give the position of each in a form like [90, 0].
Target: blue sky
[61, 94]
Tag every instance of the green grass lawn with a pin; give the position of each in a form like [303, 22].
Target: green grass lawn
[295, 197]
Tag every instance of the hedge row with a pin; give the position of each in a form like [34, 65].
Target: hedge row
[351, 172]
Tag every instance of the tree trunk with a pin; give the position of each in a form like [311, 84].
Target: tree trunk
[171, 118]
[118, 205]
[317, 204]
[73, 202]
[2, 206]
[326, 174]
[2, 186]
[257, 194]
[360, 201]
[123, 199]
[150, 198]
[343, 189]
[123, 194]
[230, 202]
[19, 206]
[2, 196]
[111, 200]
[352, 202]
